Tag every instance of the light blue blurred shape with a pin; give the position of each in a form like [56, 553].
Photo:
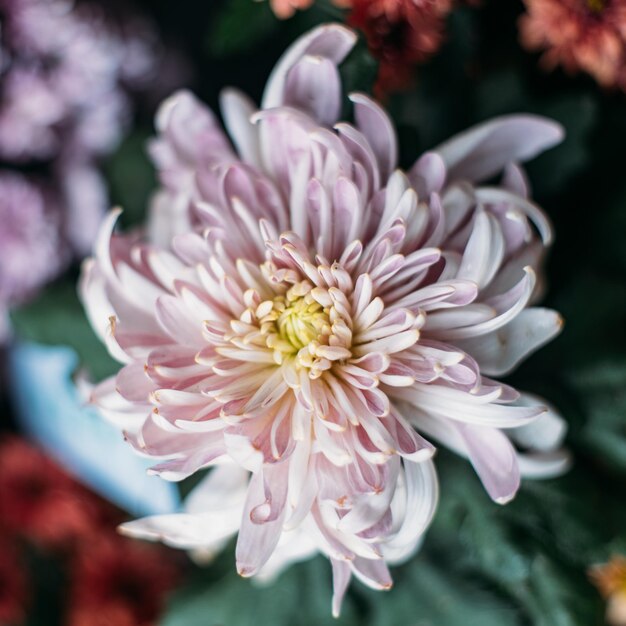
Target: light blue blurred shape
[49, 408]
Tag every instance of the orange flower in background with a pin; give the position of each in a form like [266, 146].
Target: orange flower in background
[13, 585]
[40, 501]
[120, 582]
[401, 34]
[286, 8]
[579, 35]
[610, 579]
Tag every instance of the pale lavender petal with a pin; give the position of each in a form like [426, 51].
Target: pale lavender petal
[487, 148]
[341, 580]
[257, 539]
[494, 460]
[237, 110]
[330, 41]
[312, 85]
[500, 351]
[428, 174]
[546, 433]
[375, 124]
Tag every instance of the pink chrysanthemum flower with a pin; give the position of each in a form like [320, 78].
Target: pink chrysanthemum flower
[311, 308]
[587, 35]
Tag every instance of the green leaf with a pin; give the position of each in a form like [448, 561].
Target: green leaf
[131, 177]
[535, 550]
[57, 317]
[241, 25]
[552, 598]
[300, 597]
[602, 389]
[430, 593]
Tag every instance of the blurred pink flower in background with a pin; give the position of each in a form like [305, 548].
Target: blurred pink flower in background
[67, 76]
[64, 71]
[587, 35]
[30, 247]
[314, 308]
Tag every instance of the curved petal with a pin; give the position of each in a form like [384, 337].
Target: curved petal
[544, 434]
[341, 580]
[421, 495]
[329, 41]
[375, 124]
[494, 459]
[237, 109]
[500, 351]
[257, 539]
[313, 85]
[486, 149]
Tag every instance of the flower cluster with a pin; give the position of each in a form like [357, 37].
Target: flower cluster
[305, 312]
[65, 75]
[111, 580]
[401, 34]
[587, 35]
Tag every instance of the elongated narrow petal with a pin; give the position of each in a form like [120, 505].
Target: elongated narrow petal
[484, 150]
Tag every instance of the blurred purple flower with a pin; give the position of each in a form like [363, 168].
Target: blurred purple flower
[29, 240]
[67, 76]
[72, 61]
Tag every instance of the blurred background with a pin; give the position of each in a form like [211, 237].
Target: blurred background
[79, 86]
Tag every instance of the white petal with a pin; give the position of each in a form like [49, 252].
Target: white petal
[501, 351]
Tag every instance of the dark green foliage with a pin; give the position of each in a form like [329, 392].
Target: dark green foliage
[300, 597]
[57, 318]
[240, 26]
[131, 177]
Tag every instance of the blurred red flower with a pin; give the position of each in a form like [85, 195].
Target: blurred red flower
[13, 584]
[401, 34]
[113, 581]
[587, 35]
[119, 582]
[39, 501]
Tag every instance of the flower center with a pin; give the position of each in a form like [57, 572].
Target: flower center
[303, 325]
[302, 320]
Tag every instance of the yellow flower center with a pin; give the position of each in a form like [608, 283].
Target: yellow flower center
[295, 321]
[302, 326]
[301, 321]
